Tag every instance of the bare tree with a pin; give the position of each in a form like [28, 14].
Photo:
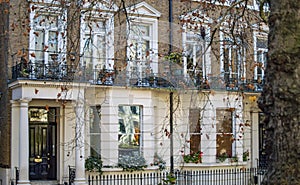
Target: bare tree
[280, 99]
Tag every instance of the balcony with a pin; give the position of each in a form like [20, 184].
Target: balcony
[169, 76]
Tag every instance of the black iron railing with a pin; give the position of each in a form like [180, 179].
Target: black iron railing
[168, 77]
[56, 71]
[40, 70]
[72, 171]
[17, 174]
[237, 176]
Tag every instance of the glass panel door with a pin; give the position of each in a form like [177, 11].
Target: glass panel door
[42, 144]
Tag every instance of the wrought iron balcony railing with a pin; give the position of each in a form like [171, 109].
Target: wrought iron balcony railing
[168, 77]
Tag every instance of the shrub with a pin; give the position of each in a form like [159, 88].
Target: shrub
[93, 164]
[133, 162]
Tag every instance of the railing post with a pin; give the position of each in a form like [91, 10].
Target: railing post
[72, 171]
[17, 174]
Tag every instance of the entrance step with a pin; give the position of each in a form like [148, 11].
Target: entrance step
[44, 183]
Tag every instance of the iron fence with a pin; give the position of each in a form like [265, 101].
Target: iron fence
[170, 75]
[237, 176]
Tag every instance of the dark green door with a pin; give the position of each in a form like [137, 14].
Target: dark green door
[42, 151]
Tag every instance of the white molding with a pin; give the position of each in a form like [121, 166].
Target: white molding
[143, 9]
[153, 41]
[106, 5]
[61, 28]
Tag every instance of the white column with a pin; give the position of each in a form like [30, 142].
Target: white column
[208, 140]
[24, 143]
[79, 139]
[15, 127]
[109, 133]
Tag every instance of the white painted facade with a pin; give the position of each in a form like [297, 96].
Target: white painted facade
[155, 102]
[73, 100]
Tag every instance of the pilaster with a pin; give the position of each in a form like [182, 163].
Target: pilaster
[24, 142]
[80, 143]
[15, 127]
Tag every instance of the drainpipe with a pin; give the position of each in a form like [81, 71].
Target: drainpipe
[171, 135]
[171, 93]
[170, 26]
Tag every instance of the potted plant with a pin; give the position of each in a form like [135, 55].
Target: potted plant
[222, 157]
[245, 155]
[93, 164]
[158, 161]
[234, 159]
[193, 157]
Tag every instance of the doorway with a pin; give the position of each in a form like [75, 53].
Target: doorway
[42, 144]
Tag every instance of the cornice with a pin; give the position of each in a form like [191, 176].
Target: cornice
[45, 84]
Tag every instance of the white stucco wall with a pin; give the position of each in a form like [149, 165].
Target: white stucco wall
[155, 123]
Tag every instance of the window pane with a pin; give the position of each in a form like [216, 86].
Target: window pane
[95, 145]
[224, 121]
[129, 129]
[224, 144]
[100, 49]
[52, 115]
[139, 43]
[140, 30]
[195, 130]
[88, 49]
[32, 141]
[52, 41]
[95, 131]
[262, 43]
[39, 45]
[233, 56]
[139, 49]
[94, 43]
[38, 114]
[224, 132]
[261, 56]
[94, 120]
[47, 21]
[194, 50]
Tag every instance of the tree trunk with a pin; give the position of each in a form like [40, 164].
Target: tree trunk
[280, 100]
[4, 103]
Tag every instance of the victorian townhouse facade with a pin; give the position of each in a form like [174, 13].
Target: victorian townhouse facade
[111, 80]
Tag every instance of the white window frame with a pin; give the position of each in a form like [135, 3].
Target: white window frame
[241, 71]
[256, 5]
[262, 36]
[233, 129]
[204, 22]
[206, 62]
[141, 136]
[195, 127]
[108, 33]
[153, 45]
[143, 13]
[60, 29]
[94, 114]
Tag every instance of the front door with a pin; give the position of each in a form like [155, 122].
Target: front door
[42, 144]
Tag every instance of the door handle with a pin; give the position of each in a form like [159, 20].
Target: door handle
[38, 159]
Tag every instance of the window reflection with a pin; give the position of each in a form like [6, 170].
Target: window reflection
[129, 128]
[224, 132]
